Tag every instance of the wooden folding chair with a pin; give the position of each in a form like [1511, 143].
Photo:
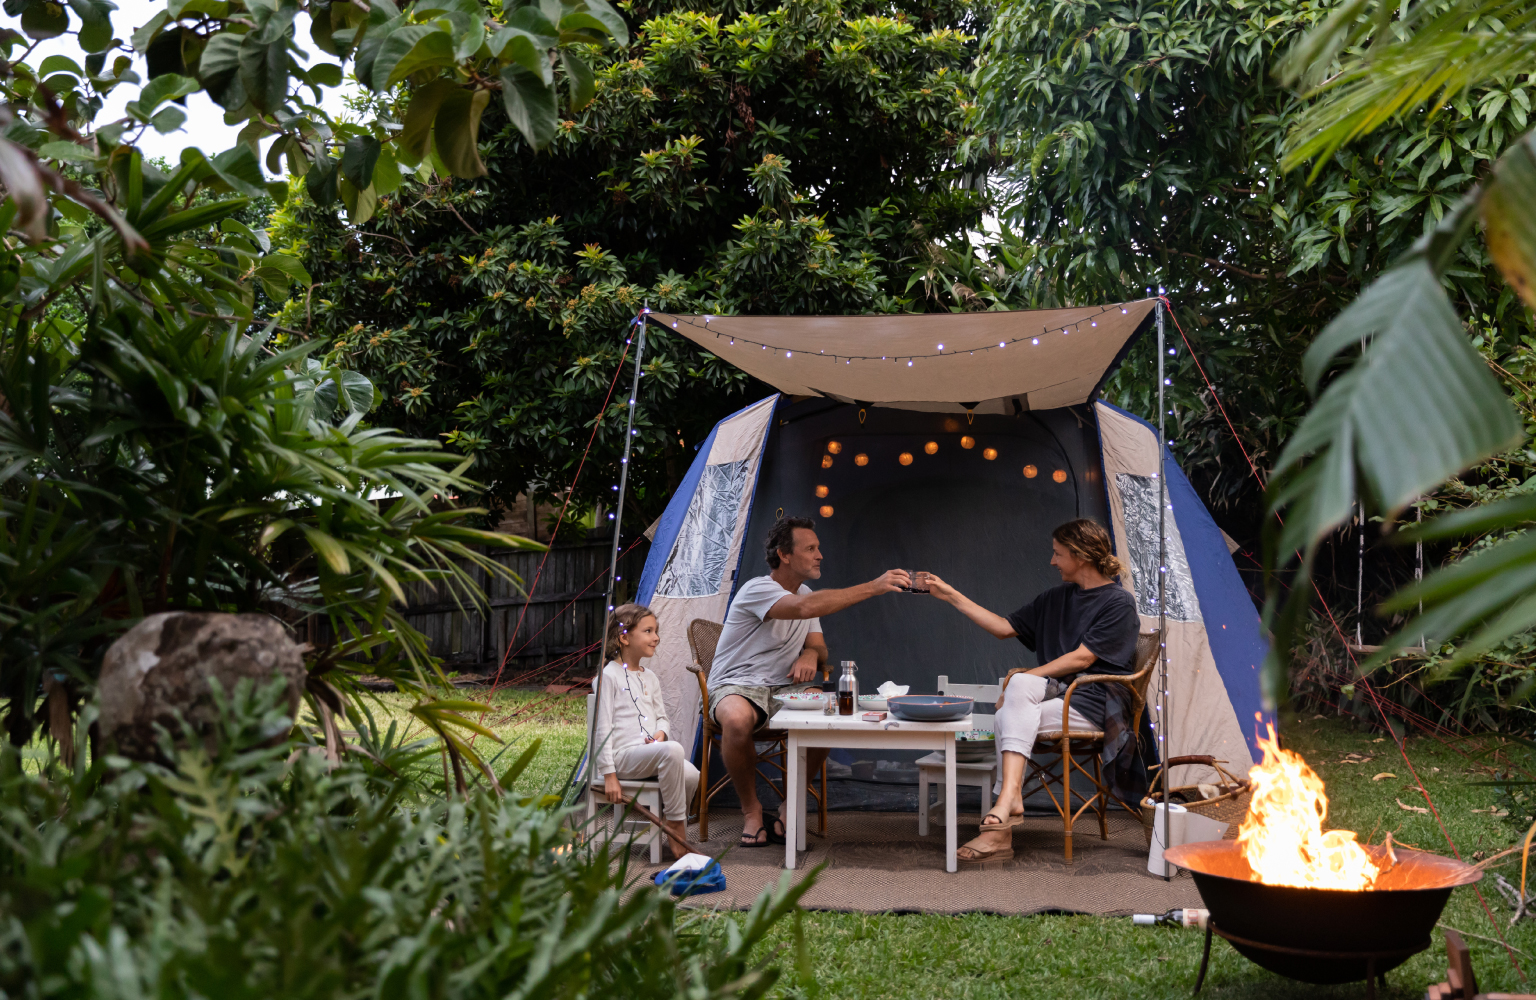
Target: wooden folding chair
[703, 637]
[1075, 748]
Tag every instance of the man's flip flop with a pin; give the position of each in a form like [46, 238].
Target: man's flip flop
[750, 839]
[979, 859]
[1012, 821]
[774, 836]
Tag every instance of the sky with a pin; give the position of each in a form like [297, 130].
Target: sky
[204, 126]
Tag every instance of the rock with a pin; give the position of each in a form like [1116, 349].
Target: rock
[161, 667]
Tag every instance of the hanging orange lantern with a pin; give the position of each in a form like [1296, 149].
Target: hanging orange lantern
[861, 459]
[835, 447]
[1030, 472]
[821, 492]
[951, 425]
[905, 458]
[967, 442]
[932, 447]
[1060, 475]
[826, 461]
[989, 454]
[826, 511]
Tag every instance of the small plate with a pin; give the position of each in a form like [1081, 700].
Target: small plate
[803, 701]
[871, 703]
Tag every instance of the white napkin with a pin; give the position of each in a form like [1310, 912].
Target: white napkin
[892, 690]
[690, 863]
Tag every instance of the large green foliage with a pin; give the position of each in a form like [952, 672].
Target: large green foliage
[1141, 144]
[739, 158]
[230, 873]
[1412, 401]
[156, 450]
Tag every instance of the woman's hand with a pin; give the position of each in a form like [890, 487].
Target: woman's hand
[938, 588]
[660, 737]
[611, 788]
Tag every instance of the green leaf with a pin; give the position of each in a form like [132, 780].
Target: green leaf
[69, 152]
[530, 105]
[168, 120]
[95, 23]
[408, 49]
[239, 168]
[220, 70]
[358, 157]
[609, 18]
[325, 74]
[527, 50]
[411, 143]
[457, 131]
[357, 390]
[328, 549]
[360, 203]
[320, 181]
[44, 19]
[166, 87]
[386, 173]
[579, 76]
[1509, 212]
[264, 71]
[141, 38]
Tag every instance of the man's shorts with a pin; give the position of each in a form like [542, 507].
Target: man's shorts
[760, 695]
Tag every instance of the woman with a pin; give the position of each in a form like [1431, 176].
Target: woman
[1088, 623]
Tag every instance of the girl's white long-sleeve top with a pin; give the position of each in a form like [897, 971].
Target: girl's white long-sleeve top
[630, 709]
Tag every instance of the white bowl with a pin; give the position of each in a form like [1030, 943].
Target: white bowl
[872, 703]
[802, 701]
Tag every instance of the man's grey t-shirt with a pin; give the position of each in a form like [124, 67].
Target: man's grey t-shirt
[755, 650]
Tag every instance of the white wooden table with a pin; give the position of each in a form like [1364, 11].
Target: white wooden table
[813, 729]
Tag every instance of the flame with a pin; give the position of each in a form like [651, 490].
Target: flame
[1282, 836]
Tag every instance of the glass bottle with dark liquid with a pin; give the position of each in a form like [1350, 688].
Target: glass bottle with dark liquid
[847, 689]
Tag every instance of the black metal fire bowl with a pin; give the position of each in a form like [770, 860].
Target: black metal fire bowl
[1324, 936]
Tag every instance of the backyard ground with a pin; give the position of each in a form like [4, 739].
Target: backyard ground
[980, 957]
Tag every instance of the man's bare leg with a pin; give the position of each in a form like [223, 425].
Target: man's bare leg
[814, 758]
[737, 718]
[1010, 802]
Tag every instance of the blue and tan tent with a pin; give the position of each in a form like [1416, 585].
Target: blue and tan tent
[953, 444]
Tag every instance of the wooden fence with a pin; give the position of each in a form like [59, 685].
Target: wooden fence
[559, 618]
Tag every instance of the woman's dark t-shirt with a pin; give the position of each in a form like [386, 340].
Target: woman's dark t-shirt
[1104, 619]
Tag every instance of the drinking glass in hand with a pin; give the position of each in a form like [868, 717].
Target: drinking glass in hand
[919, 582]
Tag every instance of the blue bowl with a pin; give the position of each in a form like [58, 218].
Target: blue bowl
[930, 707]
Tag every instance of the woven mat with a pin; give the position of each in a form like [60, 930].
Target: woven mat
[876, 863]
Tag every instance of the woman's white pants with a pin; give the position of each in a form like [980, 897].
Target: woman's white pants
[1025, 713]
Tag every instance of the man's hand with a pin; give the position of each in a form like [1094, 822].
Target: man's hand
[611, 789]
[804, 668]
[891, 581]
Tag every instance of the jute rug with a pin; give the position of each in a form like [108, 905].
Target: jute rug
[876, 863]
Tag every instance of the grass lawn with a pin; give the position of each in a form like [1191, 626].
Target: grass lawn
[979, 957]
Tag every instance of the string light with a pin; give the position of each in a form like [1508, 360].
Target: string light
[941, 350]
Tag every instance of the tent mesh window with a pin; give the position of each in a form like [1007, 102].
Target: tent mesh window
[704, 543]
[1139, 496]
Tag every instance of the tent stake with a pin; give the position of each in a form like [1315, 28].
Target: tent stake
[1166, 750]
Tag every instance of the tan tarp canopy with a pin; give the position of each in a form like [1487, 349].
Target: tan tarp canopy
[989, 362]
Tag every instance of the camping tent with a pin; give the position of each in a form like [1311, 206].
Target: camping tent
[953, 444]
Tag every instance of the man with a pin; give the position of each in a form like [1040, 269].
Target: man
[1088, 623]
[772, 644]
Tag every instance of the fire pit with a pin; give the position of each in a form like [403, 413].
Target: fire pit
[1323, 935]
[1314, 904]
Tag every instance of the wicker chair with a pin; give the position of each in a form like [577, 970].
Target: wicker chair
[1075, 748]
[703, 637]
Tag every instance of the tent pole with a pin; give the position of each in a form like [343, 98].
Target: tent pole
[618, 521]
[1162, 582]
[629, 436]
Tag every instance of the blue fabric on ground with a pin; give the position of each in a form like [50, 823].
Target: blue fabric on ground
[708, 879]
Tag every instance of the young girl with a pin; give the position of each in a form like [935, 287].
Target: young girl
[631, 728]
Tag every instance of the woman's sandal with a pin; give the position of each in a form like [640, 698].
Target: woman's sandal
[750, 839]
[979, 858]
[1011, 821]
